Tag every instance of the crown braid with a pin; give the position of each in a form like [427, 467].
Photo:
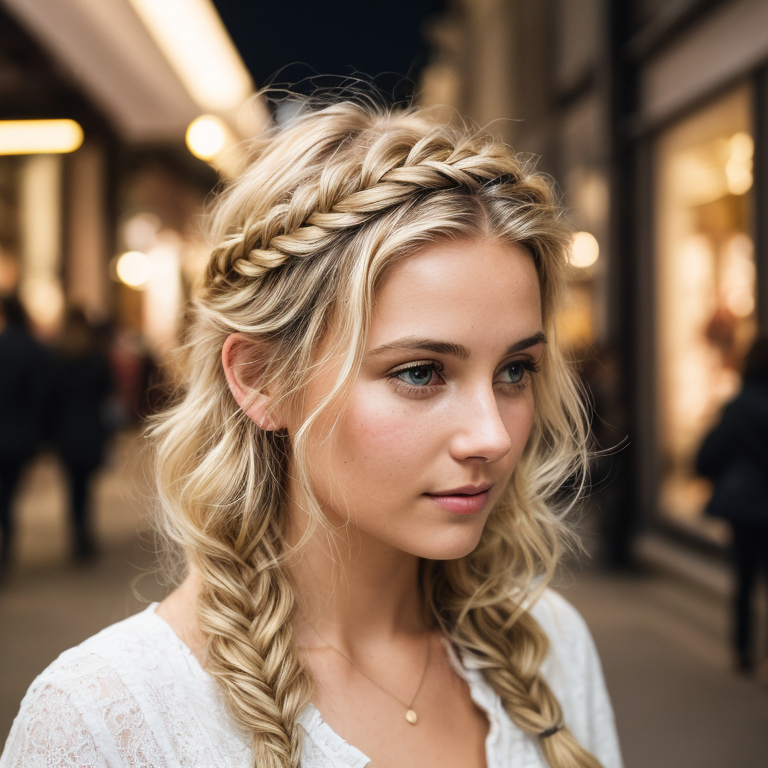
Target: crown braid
[394, 170]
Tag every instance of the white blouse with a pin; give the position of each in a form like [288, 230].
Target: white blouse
[134, 696]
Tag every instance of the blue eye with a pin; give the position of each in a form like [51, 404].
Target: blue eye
[418, 376]
[514, 372]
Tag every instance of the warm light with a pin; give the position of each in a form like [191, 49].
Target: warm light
[43, 299]
[31, 137]
[164, 294]
[737, 275]
[742, 145]
[134, 269]
[206, 137]
[741, 305]
[738, 174]
[197, 45]
[738, 169]
[584, 250]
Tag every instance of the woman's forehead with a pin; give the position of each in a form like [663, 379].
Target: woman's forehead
[459, 292]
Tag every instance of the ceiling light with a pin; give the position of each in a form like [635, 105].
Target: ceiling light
[28, 137]
[193, 38]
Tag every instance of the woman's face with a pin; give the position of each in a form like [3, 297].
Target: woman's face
[443, 405]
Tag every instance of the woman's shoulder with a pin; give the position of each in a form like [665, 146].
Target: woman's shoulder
[113, 695]
[562, 623]
[572, 662]
[574, 672]
[133, 648]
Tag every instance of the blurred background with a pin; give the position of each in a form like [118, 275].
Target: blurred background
[119, 118]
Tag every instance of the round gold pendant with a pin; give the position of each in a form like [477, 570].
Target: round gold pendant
[410, 716]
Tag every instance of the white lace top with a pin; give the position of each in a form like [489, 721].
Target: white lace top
[134, 696]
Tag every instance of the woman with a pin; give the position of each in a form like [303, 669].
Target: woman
[360, 474]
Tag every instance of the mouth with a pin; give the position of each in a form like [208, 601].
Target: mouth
[466, 500]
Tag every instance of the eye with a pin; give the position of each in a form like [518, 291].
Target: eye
[514, 372]
[418, 376]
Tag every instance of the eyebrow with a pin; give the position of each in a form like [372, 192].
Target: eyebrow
[448, 348]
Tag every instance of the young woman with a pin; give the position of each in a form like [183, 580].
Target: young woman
[362, 474]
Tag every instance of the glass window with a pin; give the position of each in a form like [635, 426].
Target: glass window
[705, 289]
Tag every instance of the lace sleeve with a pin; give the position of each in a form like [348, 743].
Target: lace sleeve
[80, 714]
[49, 732]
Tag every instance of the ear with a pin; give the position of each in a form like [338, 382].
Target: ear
[243, 359]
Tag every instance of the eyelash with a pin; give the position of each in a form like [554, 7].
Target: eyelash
[530, 367]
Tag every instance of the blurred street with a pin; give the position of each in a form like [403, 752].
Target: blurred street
[663, 640]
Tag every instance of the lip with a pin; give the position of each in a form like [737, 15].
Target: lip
[466, 500]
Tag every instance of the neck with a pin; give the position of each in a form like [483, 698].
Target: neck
[352, 591]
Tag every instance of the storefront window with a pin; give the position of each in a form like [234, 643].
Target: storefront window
[705, 290]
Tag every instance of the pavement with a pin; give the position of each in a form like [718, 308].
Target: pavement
[662, 637]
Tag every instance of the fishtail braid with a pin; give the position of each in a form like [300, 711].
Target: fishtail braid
[246, 616]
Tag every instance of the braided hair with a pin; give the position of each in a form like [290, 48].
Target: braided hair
[300, 243]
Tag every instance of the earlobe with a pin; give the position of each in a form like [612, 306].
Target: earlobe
[241, 363]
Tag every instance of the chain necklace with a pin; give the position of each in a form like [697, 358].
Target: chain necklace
[410, 714]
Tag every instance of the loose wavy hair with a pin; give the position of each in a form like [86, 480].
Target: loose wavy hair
[301, 241]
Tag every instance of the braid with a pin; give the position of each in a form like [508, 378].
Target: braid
[246, 616]
[512, 669]
[245, 609]
[509, 646]
[393, 171]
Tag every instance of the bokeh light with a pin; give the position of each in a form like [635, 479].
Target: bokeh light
[206, 136]
[738, 169]
[134, 269]
[584, 250]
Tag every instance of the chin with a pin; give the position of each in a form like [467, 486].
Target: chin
[450, 545]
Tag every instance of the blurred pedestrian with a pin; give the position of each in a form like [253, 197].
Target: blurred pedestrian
[734, 455]
[83, 384]
[138, 378]
[23, 398]
[615, 524]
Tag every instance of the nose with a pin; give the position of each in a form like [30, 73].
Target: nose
[480, 431]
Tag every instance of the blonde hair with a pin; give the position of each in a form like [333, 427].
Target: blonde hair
[301, 241]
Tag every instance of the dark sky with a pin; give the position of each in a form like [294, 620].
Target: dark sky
[289, 41]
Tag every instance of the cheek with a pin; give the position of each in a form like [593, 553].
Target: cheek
[518, 419]
[380, 436]
[372, 453]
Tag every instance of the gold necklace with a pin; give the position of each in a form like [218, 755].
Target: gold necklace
[410, 714]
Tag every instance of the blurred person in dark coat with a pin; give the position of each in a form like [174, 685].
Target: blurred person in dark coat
[24, 373]
[83, 384]
[734, 455]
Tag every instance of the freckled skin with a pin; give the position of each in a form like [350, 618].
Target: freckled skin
[394, 442]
